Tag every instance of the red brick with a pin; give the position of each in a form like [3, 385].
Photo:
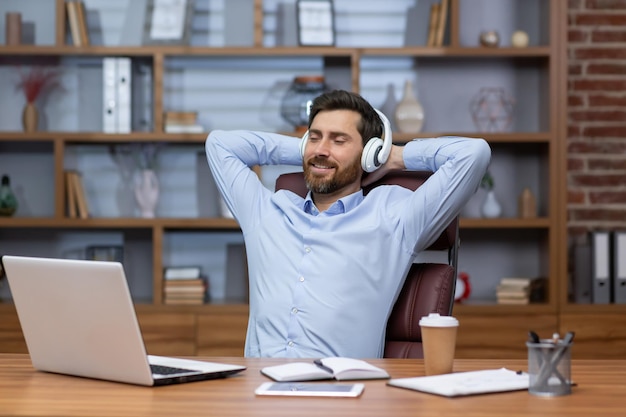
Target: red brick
[591, 53]
[576, 197]
[605, 4]
[608, 36]
[577, 36]
[607, 197]
[595, 146]
[574, 131]
[597, 180]
[606, 132]
[575, 164]
[598, 214]
[600, 19]
[589, 84]
[575, 69]
[607, 164]
[575, 100]
[597, 100]
[598, 115]
[606, 69]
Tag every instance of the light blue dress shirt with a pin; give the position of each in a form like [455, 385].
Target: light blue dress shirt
[323, 284]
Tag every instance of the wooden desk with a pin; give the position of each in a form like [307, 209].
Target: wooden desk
[601, 391]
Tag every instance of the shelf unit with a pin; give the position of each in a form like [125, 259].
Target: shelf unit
[446, 77]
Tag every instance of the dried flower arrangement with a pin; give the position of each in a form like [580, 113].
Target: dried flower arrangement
[35, 81]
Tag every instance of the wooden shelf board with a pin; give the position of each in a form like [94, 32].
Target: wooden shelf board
[504, 223]
[119, 223]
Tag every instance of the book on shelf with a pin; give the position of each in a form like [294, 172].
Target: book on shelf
[182, 272]
[77, 205]
[82, 23]
[185, 291]
[338, 368]
[521, 290]
[180, 117]
[433, 21]
[176, 128]
[441, 25]
[70, 193]
[74, 25]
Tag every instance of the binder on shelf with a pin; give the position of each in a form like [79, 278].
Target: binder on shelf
[109, 73]
[601, 264]
[619, 266]
[582, 274]
[117, 94]
[123, 94]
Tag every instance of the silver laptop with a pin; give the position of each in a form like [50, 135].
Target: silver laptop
[78, 319]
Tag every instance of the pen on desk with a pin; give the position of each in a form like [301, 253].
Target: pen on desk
[320, 365]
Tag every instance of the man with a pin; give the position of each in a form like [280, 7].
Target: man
[326, 270]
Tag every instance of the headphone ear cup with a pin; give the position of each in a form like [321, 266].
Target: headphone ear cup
[303, 142]
[369, 158]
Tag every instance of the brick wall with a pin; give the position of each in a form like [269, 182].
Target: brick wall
[596, 177]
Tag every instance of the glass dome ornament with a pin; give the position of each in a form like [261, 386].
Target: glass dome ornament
[297, 101]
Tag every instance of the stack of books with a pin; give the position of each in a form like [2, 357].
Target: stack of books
[181, 122]
[521, 290]
[184, 285]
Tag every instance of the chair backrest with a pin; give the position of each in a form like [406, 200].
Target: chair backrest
[428, 288]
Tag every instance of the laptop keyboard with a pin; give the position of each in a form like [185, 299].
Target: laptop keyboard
[168, 370]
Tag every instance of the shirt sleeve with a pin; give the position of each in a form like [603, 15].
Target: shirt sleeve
[458, 165]
[231, 156]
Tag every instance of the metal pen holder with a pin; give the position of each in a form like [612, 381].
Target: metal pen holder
[549, 367]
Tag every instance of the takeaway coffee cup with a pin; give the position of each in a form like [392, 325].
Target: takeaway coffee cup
[438, 341]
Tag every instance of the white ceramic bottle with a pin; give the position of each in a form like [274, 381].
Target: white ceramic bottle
[409, 114]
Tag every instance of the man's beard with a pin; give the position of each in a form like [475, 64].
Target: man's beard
[340, 179]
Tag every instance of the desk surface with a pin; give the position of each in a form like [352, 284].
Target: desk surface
[23, 391]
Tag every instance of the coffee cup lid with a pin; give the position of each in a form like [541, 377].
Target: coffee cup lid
[436, 320]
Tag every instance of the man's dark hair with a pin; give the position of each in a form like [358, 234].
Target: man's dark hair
[370, 125]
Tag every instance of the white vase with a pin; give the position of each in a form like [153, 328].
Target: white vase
[146, 190]
[409, 114]
[491, 207]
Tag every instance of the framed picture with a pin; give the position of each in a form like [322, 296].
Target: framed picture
[168, 22]
[316, 22]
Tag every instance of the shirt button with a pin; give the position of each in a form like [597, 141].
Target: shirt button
[307, 249]
[301, 279]
[294, 310]
[290, 343]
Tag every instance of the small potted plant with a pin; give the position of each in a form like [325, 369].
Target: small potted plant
[33, 83]
[491, 207]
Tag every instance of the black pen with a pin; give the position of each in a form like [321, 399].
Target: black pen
[320, 365]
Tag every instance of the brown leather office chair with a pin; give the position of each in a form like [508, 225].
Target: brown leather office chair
[429, 287]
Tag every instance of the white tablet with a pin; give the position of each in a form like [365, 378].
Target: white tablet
[307, 389]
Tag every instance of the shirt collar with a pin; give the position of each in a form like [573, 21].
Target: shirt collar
[343, 205]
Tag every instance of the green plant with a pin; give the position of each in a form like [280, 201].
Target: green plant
[486, 182]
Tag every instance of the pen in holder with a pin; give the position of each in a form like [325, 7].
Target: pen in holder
[549, 365]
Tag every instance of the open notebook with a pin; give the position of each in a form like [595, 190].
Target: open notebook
[78, 319]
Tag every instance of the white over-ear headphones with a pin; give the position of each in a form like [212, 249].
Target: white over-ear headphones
[376, 150]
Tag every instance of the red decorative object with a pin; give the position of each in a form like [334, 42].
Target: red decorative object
[35, 81]
[463, 288]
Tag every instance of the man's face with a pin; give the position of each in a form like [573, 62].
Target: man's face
[332, 156]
